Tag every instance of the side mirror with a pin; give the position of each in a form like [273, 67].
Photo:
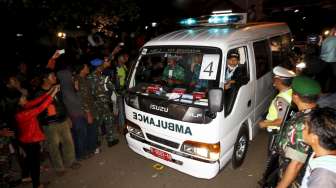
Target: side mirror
[216, 100]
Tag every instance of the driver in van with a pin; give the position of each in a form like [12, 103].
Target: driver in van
[235, 74]
[173, 74]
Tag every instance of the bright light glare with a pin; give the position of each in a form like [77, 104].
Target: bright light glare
[301, 65]
[326, 32]
[154, 24]
[218, 19]
[296, 10]
[202, 152]
[221, 11]
[188, 21]
[214, 156]
[61, 35]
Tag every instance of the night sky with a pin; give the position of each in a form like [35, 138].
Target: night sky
[314, 15]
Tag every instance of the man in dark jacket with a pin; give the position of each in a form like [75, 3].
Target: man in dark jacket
[56, 126]
[235, 74]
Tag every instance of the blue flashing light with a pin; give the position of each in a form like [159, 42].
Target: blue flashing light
[223, 19]
[216, 19]
[188, 22]
[219, 31]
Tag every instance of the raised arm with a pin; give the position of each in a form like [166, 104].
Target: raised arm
[52, 61]
[36, 101]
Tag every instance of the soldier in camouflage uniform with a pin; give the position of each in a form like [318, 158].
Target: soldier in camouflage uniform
[5, 157]
[293, 151]
[100, 85]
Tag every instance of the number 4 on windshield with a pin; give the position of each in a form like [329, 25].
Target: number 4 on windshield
[209, 67]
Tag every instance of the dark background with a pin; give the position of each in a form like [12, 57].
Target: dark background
[39, 21]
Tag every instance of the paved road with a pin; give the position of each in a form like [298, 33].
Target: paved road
[121, 168]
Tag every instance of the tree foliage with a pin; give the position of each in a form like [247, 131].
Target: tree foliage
[67, 14]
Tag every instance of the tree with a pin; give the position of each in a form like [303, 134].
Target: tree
[53, 15]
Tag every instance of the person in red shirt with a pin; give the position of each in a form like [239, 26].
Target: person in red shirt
[29, 131]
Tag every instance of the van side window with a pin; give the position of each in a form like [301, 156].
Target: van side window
[262, 57]
[236, 75]
[280, 46]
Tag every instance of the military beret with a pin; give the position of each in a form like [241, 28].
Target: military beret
[306, 86]
[283, 72]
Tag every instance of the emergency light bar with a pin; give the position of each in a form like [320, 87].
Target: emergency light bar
[221, 11]
[217, 18]
[188, 22]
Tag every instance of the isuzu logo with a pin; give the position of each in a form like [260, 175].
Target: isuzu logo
[158, 108]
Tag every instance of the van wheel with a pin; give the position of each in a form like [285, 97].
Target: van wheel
[240, 148]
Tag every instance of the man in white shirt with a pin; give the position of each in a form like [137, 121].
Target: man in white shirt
[320, 133]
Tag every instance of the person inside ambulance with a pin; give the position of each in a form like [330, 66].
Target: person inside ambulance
[235, 74]
[173, 74]
[282, 80]
[197, 84]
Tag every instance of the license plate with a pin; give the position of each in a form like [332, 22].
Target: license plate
[161, 154]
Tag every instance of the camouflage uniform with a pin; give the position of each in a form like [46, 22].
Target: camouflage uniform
[85, 93]
[5, 162]
[291, 145]
[100, 85]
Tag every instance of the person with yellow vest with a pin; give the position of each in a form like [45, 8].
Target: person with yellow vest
[282, 82]
[121, 74]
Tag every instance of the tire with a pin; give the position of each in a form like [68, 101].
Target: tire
[240, 147]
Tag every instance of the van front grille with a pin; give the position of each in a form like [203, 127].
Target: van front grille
[162, 141]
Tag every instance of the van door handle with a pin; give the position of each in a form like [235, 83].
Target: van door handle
[249, 103]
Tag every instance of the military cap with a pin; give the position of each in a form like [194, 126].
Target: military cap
[284, 73]
[306, 86]
[233, 54]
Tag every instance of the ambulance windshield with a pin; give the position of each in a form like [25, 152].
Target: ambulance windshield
[183, 74]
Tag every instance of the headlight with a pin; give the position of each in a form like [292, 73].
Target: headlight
[134, 129]
[204, 150]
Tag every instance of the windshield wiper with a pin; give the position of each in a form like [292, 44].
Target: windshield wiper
[169, 100]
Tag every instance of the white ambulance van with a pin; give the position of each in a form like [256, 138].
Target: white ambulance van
[177, 110]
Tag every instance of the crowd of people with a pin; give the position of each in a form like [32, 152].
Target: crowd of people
[65, 111]
[302, 123]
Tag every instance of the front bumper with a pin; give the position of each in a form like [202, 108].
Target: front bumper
[193, 167]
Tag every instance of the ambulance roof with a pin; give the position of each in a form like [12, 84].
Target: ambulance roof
[219, 36]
